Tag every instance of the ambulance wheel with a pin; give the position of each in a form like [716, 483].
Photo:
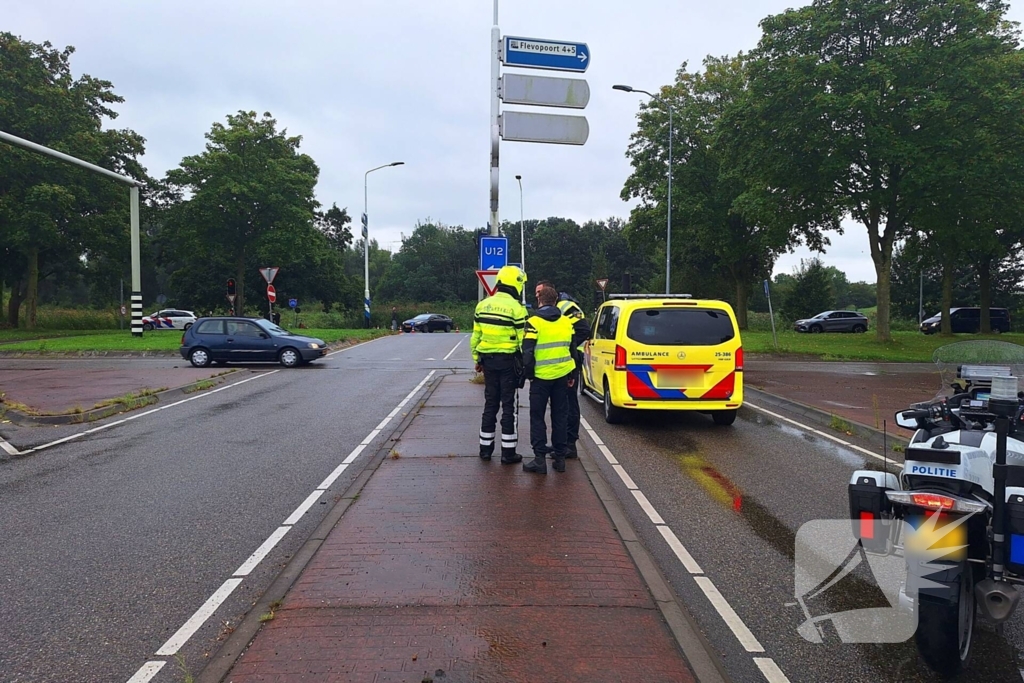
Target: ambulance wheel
[612, 414]
[724, 417]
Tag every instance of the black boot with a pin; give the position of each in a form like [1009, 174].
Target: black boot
[485, 454]
[559, 463]
[510, 457]
[537, 465]
[571, 451]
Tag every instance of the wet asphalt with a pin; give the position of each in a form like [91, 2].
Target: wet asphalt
[109, 544]
[736, 497]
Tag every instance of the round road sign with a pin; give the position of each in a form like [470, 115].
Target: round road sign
[271, 293]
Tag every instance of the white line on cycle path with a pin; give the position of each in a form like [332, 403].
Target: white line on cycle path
[746, 638]
[189, 628]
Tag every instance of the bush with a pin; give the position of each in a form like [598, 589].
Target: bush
[50, 318]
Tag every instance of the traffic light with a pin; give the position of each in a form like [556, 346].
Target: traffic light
[231, 286]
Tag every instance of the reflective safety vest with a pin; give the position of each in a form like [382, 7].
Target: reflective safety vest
[571, 309]
[552, 352]
[498, 325]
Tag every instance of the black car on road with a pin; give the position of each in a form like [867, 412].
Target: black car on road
[247, 340]
[428, 322]
[833, 321]
[967, 319]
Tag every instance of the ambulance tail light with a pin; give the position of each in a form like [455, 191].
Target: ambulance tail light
[620, 358]
[739, 359]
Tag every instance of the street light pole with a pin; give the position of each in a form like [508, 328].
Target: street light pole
[668, 236]
[522, 234]
[366, 241]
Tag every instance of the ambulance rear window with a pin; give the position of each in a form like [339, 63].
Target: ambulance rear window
[680, 327]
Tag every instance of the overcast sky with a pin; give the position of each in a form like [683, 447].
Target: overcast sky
[367, 82]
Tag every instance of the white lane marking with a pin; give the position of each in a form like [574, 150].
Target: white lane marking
[353, 455]
[8, 448]
[148, 412]
[647, 507]
[771, 670]
[303, 508]
[626, 479]
[593, 434]
[728, 614]
[372, 435]
[681, 552]
[146, 672]
[453, 348]
[326, 483]
[215, 600]
[865, 451]
[607, 454]
[261, 552]
[189, 628]
[767, 666]
[349, 348]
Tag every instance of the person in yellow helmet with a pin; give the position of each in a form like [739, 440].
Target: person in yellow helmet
[498, 326]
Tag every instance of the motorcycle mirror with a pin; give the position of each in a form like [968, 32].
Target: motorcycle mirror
[906, 421]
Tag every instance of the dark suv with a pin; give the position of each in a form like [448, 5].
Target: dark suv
[967, 319]
[833, 321]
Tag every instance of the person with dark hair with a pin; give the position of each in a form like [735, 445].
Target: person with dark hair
[498, 327]
[549, 359]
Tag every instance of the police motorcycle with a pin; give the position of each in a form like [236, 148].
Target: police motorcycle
[956, 510]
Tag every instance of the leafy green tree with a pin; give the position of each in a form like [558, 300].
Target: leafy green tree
[718, 236]
[847, 106]
[249, 203]
[55, 217]
[812, 291]
[436, 263]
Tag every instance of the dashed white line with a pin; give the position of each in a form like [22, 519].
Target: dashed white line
[876, 456]
[728, 614]
[261, 552]
[189, 628]
[146, 673]
[626, 479]
[310, 501]
[453, 348]
[681, 552]
[178, 640]
[771, 670]
[647, 507]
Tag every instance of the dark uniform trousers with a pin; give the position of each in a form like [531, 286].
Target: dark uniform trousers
[541, 392]
[572, 430]
[500, 385]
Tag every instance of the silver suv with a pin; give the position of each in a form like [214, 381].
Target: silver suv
[833, 321]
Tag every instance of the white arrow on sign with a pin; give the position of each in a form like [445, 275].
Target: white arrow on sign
[521, 126]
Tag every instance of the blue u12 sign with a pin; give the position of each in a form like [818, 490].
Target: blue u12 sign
[493, 253]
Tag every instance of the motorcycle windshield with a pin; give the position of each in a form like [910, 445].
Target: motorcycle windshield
[970, 365]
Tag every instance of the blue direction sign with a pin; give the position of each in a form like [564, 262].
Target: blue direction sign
[292, 303]
[493, 253]
[533, 53]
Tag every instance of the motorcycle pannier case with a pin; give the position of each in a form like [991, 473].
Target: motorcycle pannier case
[870, 509]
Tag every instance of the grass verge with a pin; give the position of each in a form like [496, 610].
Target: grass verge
[904, 347]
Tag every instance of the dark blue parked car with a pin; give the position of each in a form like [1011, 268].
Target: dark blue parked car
[246, 340]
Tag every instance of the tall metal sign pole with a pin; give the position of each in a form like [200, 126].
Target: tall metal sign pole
[134, 204]
[534, 91]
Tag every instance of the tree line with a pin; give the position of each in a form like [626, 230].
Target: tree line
[904, 117]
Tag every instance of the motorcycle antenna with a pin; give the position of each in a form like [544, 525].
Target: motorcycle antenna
[885, 445]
